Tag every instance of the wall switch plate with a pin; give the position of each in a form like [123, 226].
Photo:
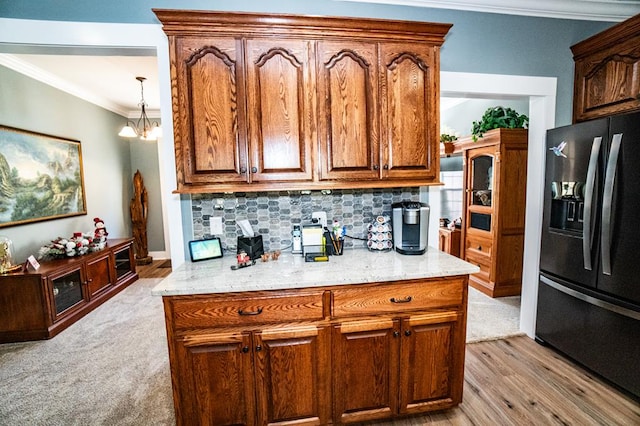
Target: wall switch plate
[215, 223]
[319, 217]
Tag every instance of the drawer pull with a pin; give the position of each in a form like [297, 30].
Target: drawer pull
[480, 248]
[246, 313]
[405, 300]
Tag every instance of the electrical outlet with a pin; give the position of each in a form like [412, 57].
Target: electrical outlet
[215, 223]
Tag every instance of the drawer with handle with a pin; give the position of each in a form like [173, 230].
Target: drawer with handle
[478, 246]
[481, 261]
[239, 310]
[399, 297]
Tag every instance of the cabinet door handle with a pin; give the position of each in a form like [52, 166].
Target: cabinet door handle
[245, 349]
[480, 248]
[243, 170]
[254, 170]
[396, 333]
[376, 167]
[258, 348]
[407, 333]
[386, 167]
[405, 300]
[246, 313]
[90, 280]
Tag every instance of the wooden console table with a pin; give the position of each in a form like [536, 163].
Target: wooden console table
[38, 305]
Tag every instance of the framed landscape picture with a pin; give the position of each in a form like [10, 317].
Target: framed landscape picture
[41, 177]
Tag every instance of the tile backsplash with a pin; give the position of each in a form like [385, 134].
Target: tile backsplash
[273, 214]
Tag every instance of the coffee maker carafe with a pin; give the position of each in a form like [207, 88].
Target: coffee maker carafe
[410, 221]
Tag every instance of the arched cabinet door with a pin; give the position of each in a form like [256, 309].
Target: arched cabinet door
[279, 106]
[409, 111]
[348, 106]
[209, 110]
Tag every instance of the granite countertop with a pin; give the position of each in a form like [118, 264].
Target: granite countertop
[290, 271]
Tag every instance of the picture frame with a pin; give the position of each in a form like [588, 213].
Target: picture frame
[210, 248]
[41, 177]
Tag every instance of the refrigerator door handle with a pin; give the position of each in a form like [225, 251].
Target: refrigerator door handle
[587, 229]
[607, 200]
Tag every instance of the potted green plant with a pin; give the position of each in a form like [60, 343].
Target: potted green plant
[498, 118]
[447, 138]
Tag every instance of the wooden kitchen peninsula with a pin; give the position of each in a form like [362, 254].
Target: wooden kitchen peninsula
[364, 336]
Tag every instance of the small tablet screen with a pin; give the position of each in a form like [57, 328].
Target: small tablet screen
[205, 249]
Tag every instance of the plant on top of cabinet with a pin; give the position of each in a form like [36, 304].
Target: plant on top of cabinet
[499, 117]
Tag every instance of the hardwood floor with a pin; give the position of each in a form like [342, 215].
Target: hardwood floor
[156, 269]
[516, 381]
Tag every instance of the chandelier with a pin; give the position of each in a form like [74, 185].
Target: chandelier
[143, 128]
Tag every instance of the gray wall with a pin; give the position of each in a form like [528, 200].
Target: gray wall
[478, 42]
[31, 105]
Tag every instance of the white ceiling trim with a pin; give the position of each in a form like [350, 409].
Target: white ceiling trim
[23, 67]
[589, 10]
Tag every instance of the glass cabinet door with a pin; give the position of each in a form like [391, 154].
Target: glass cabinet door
[123, 263]
[482, 180]
[480, 190]
[67, 291]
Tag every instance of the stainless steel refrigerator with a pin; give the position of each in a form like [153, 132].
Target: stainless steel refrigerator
[589, 288]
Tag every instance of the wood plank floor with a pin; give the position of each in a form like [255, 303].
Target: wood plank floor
[516, 381]
[156, 269]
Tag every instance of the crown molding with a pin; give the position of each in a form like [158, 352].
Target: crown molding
[588, 10]
[18, 65]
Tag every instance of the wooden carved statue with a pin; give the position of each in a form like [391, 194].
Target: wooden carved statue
[139, 209]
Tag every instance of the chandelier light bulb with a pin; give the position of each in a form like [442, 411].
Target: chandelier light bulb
[143, 128]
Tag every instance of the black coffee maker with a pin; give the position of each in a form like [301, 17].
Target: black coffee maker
[410, 222]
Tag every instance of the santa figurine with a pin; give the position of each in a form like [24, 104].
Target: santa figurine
[100, 232]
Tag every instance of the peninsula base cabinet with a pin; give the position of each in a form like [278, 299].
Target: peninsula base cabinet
[39, 305]
[374, 351]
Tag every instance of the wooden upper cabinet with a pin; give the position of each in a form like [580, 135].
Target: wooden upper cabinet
[348, 118]
[279, 106]
[272, 102]
[208, 115]
[607, 72]
[409, 107]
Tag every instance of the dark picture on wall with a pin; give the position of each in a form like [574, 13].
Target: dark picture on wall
[40, 177]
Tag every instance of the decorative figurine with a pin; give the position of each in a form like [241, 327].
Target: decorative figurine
[243, 261]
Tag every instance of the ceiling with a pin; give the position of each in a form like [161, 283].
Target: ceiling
[109, 80]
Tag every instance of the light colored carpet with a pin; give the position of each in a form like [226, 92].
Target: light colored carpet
[112, 367]
[491, 319]
[109, 368]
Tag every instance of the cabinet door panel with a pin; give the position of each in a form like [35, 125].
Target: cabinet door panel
[99, 275]
[410, 91]
[365, 360]
[210, 113]
[428, 367]
[68, 292]
[348, 119]
[215, 380]
[279, 109]
[292, 381]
